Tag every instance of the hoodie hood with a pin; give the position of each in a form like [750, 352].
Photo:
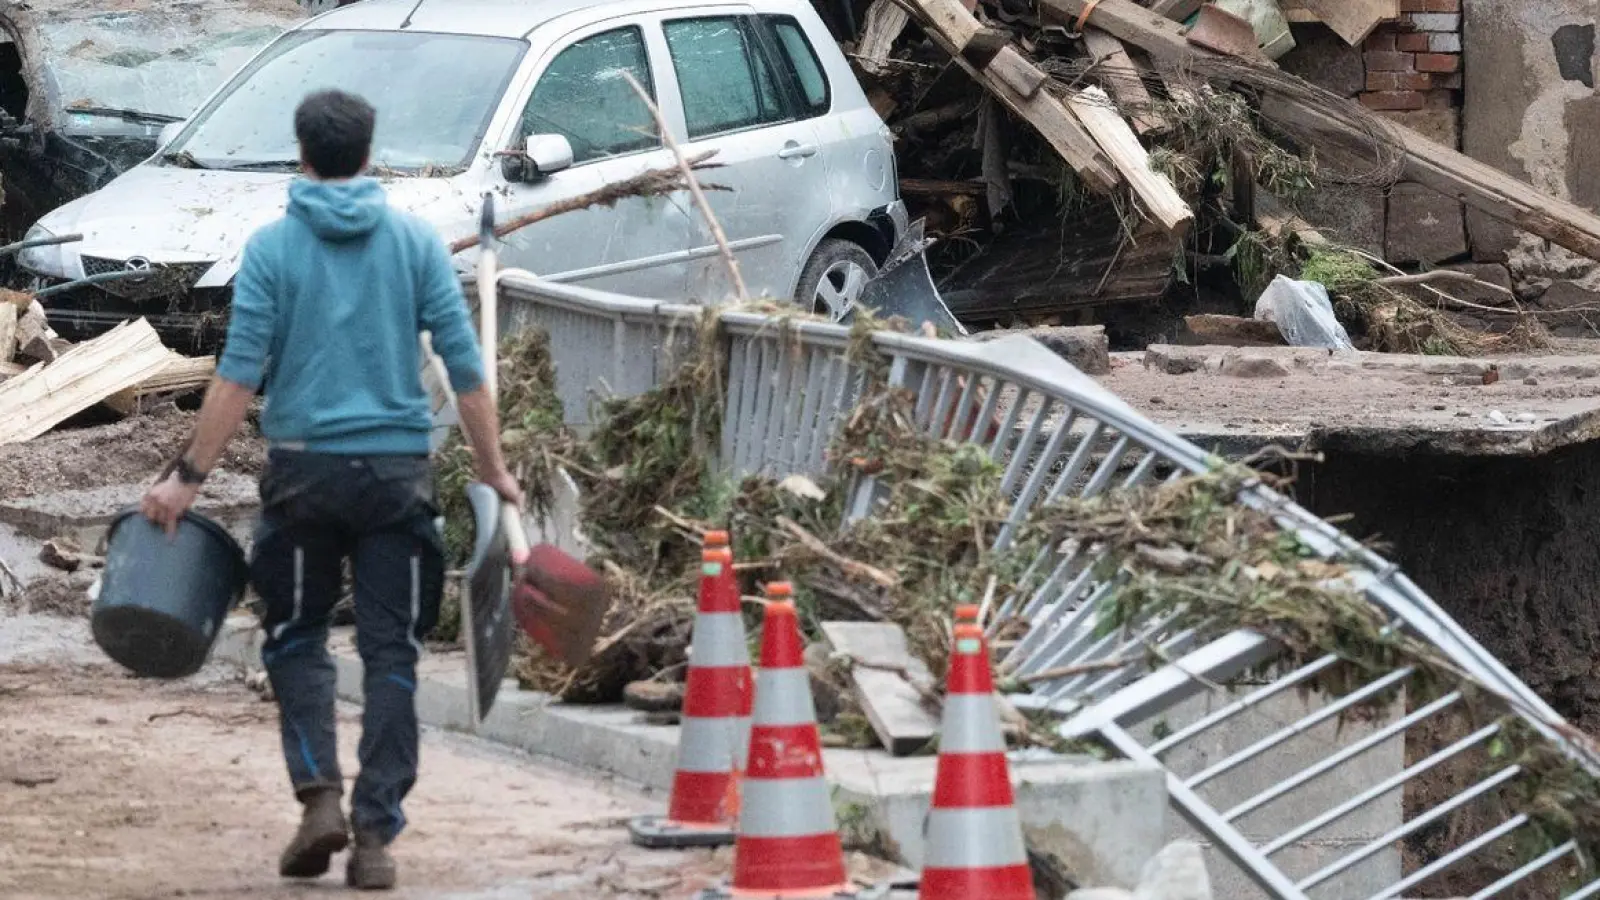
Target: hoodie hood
[338, 210]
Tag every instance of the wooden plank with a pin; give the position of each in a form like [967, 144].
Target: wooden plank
[181, 375]
[885, 20]
[1159, 200]
[953, 28]
[1352, 20]
[1474, 183]
[8, 332]
[41, 398]
[1117, 72]
[881, 664]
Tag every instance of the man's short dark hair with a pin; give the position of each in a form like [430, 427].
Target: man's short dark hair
[335, 133]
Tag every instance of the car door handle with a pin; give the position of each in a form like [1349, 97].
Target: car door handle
[792, 150]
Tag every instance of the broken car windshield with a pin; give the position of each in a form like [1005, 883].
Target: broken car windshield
[161, 59]
[434, 94]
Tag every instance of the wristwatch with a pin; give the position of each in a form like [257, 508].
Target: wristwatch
[187, 473]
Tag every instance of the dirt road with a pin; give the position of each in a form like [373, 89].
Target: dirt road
[115, 787]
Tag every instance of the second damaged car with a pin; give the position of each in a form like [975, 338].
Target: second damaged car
[528, 101]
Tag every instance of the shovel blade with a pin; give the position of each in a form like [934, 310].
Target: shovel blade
[561, 603]
[487, 626]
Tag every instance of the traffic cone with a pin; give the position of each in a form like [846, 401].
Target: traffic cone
[715, 729]
[974, 849]
[788, 842]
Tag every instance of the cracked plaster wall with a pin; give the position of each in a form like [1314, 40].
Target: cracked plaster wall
[1531, 110]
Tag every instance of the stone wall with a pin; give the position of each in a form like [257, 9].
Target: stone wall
[1508, 82]
[1412, 72]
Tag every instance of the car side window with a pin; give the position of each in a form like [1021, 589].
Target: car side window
[802, 63]
[583, 96]
[724, 75]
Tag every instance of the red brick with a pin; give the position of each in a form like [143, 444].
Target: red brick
[1415, 42]
[1413, 5]
[1394, 100]
[1382, 41]
[1399, 81]
[1444, 6]
[1445, 63]
[1380, 61]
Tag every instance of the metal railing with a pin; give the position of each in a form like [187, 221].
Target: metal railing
[1058, 433]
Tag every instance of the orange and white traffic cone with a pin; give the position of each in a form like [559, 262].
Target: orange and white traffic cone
[974, 849]
[715, 725]
[788, 844]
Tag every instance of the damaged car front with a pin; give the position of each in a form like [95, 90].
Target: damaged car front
[88, 90]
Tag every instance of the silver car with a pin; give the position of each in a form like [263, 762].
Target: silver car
[525, 99]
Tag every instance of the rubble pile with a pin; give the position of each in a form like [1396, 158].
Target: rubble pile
[1075, 156]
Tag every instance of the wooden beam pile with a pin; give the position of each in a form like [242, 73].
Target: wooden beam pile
[45, 380]
[1087, 132]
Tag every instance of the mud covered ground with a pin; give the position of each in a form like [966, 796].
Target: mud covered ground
[134, 449]
[127, 789]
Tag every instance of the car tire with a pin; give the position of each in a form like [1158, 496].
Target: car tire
[834, 278]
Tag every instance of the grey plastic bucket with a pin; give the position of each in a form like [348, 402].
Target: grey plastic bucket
[163, 598]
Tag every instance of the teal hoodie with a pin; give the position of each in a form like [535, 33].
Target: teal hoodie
[327, 311]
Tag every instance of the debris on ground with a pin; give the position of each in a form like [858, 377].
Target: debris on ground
[64, 553]
[58, 594]
[131, 450]
[1087, 157]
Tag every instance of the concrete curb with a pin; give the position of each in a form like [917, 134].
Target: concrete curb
[1099, 821]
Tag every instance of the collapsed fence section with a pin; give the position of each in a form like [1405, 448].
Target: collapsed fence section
[1453, 769]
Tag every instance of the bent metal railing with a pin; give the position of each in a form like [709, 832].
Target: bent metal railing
[1264, 794]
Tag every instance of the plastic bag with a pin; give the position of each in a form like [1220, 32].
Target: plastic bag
[1303, 314]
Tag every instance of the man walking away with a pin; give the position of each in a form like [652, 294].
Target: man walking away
[327, 311]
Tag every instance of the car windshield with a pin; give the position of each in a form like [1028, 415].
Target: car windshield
[159, 62]
[434, 94]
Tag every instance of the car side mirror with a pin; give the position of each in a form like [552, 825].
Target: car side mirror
[169, 132]
[543, 156]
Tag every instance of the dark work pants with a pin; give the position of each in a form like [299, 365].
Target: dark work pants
[378, 511]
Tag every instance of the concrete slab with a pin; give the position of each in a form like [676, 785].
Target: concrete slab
[1098, 820]
[1376, 403]
[229, 498]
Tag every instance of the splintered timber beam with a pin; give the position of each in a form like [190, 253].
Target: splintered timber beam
[984, 56]
[1123, 79]
[46, 395]
[1453, 174]
[1161, 201]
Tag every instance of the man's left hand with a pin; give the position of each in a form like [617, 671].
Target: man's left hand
[167, 501]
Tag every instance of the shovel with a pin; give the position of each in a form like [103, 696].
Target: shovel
[557, 600]
[499, 543]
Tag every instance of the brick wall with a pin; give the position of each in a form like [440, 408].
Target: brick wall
[1415, 63]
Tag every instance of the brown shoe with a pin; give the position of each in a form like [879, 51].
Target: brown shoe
[370, 868]
[322, 833]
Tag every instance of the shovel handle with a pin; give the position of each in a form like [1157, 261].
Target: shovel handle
[516, 535]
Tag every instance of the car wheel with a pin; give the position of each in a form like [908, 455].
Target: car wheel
[835, 279]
